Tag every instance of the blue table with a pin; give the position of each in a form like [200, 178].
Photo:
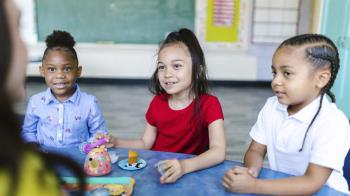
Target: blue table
[204, 182]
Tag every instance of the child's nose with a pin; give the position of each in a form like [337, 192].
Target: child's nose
[276, 81]
[167, 73]
[60, 74]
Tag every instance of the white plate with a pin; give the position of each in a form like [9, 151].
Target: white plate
[135, 166]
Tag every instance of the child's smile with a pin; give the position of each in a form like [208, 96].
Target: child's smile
[60, 85]
[169, 85]
[280, 94]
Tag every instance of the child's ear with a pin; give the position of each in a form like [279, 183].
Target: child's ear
[41, 70]
[79, 70]
[323, 78]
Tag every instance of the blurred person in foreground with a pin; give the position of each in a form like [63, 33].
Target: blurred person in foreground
[23, 169]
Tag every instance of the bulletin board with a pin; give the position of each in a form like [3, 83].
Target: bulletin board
[222, 20]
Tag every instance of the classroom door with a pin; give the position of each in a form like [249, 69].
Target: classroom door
[336, 25]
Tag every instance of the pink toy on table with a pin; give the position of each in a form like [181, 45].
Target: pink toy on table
[87, 147]
[97, 162]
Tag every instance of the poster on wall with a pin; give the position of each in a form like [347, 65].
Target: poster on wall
[222, 21]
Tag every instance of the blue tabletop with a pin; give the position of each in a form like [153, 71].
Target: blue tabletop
[204, 182]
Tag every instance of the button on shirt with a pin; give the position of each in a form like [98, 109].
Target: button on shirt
[62, 124]
[326, 144]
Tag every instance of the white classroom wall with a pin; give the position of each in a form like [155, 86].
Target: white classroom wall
[27, 21]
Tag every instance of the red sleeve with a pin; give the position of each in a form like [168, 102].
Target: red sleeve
[150, 112]
[212, 110]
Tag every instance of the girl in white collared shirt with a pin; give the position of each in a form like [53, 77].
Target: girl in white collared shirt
[302, 132]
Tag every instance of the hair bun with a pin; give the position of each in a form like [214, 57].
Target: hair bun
[60, 39]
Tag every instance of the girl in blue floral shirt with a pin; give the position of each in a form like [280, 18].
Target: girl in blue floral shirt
[61, 116]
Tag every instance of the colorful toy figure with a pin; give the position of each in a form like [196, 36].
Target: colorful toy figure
[97, 162]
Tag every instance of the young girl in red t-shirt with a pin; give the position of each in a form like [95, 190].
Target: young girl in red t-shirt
[182, 117]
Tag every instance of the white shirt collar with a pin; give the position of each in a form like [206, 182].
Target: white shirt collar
[308, 112]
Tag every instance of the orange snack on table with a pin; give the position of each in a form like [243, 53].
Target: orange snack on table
[132, 157]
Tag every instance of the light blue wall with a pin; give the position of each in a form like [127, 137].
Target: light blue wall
[336, 25]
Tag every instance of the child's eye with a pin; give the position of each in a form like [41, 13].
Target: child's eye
[67, 69]
[177, 66]
[286, 73]
[273, 73]
[51, 69]
[161, 67]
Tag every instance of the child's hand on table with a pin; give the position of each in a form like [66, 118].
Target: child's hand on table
[254, 172]
[173, 171]
[240, 179]
[111, 140]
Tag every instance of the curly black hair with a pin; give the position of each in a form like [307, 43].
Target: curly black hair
[61, 40]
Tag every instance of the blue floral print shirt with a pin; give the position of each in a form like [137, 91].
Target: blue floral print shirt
[49, 122]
